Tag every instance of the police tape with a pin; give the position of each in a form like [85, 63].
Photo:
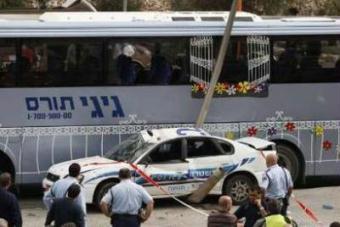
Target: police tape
[154, 183]
[308, 211]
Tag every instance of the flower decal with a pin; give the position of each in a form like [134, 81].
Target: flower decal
[243, 87]
[258, 89]
[290, 126]
[230, 135]
[271, 131]
[326, 145]
[220, 88]
[252, 131]
[195, 88]
[318, 130]
[231, 90]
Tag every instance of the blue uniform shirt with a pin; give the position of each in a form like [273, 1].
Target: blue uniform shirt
[276, 181]
[126, 197]
[59, 190]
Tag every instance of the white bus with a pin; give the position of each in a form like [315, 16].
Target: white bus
[75, 84]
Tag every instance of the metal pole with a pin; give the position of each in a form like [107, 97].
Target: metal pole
[218, 67]
[125, 4]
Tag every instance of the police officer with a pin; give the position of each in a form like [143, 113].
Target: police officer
[277, 182]
[59, 188]
[124, 201]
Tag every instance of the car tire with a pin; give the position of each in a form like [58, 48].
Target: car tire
[101, 191]
[237, 187]
[289, 159]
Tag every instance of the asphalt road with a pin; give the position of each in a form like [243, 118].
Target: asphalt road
[321, 195]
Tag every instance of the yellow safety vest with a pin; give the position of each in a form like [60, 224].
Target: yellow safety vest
[276, 220]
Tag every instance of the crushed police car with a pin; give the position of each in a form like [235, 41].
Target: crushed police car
[178, 159]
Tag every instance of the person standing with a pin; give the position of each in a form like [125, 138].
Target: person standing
[251, 210]
[277, 183]
[223, 217]
[59, 189]
[9, 205]
[66, 210]
[123, 202]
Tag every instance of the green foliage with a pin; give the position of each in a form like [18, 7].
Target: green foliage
[6, 4]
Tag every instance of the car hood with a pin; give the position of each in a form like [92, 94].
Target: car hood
[86, 164]
[256, 143]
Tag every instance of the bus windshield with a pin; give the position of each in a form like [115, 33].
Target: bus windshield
[129, 150]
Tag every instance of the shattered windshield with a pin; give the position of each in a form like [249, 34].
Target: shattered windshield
[128, 150]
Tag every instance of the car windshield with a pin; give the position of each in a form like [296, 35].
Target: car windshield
[129, 150]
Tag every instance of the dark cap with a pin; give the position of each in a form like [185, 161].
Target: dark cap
[74, 170]
[73, 191]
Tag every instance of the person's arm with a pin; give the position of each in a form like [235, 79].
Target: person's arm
[16, 219]
[260, 223]
[104, 207]
[148, 210]
[290, 183]
[105, 203]
[147, 199]
[50, 215]
[263, 211]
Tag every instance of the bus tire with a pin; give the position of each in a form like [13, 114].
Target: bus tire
[6, 165]
[237, 187]
[289, 159]
[101, 190]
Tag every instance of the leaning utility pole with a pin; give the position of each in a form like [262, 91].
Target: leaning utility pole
[125, 4]
[218, 67]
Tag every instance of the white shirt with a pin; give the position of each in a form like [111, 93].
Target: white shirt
[126, 197]
[276, 180]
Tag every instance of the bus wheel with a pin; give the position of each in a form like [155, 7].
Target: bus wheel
[289, 159]
[102, 189]
[237, 187]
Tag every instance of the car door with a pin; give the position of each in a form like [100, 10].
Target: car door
[166, 165]
[206, 154]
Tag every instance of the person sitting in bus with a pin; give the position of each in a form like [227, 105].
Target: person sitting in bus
[310, 67]
[287, 64]
[125, 66]
[161, 70]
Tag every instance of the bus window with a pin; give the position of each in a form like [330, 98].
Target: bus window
[306, 60]
[155, 61]
[235, 67]
[7, 63]
[64, 62]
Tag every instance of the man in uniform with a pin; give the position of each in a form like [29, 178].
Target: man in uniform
[59, 189]
[125, 200]
[277, 182]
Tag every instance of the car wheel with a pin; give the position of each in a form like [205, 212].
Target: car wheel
[237, 188]
[102, 190]
[289, 160]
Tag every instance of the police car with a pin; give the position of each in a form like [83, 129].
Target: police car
[177, 159]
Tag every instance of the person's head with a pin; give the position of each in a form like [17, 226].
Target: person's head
[271, 159]
[73, 191]
[74, 170]
[225, 203]
[273, 206]
[124, 173]
[3, 222]
[254, 194]
[128, 50]
[5, 180]
[335, 224]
